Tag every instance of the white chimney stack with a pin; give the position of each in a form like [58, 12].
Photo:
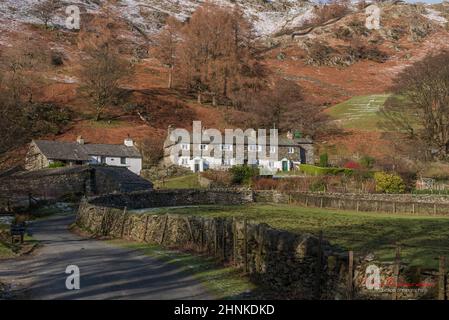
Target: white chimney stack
[129, 142]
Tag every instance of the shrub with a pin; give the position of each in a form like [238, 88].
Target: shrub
[318, 171]
[243, 174]
[318, 186]
[352, 165]
[389, 183]
[367, 162]
[324, 160]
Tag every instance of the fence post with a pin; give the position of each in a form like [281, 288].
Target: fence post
[396, 270]
[321, 202]
[319, 266]
[307, 201]
[146, 228]
[123, 223]
[435, 209]
[377, 206]
[413, 208]
[357, 205]
[442, 279]
[350, 274]
[223, 242]
[163, 229]
[245, 244]
[394, 207]
[234, 241]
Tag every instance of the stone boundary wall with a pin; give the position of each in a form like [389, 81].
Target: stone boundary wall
[389, 203]
[298, 266]
[173, 198]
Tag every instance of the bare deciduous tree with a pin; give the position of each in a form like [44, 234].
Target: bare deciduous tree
[165, 48]
[420, 110]
[101, 73]
[45, 10]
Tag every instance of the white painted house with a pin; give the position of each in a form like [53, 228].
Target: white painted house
[292, 150]
[42, 153]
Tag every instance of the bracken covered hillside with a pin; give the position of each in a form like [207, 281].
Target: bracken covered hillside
[332, 62]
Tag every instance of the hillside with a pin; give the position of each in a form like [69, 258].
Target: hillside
[353, 84]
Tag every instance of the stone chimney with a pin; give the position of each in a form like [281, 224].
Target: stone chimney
[129, 142]
[289, 135]
[80, 140]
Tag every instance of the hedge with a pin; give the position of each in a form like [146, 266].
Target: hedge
[320, 171]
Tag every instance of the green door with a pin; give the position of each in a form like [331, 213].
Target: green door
[284, 165]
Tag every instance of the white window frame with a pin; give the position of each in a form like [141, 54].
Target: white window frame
[272, 149]
[226, 147]
[291, 150]
[203, 147]
[184, 161]
[185, 146]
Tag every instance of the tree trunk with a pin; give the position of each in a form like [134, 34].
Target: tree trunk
[170, 77]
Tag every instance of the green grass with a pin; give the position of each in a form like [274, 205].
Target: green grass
[184, 182]
[319, 171]
[359, 112]
[223, 282]
[424, 238]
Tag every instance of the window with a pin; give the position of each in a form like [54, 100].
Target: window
[203, 146]
[122, 160]
[102, 159]
[253, 147]
[185, 146]
[184, 161]
[291, 150]
[271, 164]
[272, 149]
[226, 147]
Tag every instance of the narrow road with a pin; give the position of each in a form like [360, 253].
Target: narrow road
[107, 271]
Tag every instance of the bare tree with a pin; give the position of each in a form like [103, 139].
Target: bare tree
[101, 73]
[419, 112]
[165, 48]
[45, 10]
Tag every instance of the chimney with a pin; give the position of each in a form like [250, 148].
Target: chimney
[80, 140]
[129, 142]
[289, 135]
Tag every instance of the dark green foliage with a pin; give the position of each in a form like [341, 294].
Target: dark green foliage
[243, 174]
[324, 160]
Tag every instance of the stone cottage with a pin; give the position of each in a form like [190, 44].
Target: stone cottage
[42, 153]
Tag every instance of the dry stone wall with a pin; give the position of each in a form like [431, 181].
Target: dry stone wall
[390, 203]
[294, 265]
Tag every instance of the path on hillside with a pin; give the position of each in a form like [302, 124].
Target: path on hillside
[107, 271]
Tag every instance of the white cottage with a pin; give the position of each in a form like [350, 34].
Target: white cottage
[42, 153]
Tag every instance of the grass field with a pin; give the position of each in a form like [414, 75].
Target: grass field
[223, 281]
[359, 112]
[423, 238]
[184, 182]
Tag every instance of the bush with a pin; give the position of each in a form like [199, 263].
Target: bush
[324, 160]
[389, 183]
[367, 162]
[318, 186]
[243, 174]
[318, 171]
[352, 165]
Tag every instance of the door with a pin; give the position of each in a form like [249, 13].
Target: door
[197, 167]
[302, 155]
[284, 165]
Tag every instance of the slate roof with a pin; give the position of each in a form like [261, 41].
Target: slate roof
[80, 152]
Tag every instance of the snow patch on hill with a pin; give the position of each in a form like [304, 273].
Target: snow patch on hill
[268, 17]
